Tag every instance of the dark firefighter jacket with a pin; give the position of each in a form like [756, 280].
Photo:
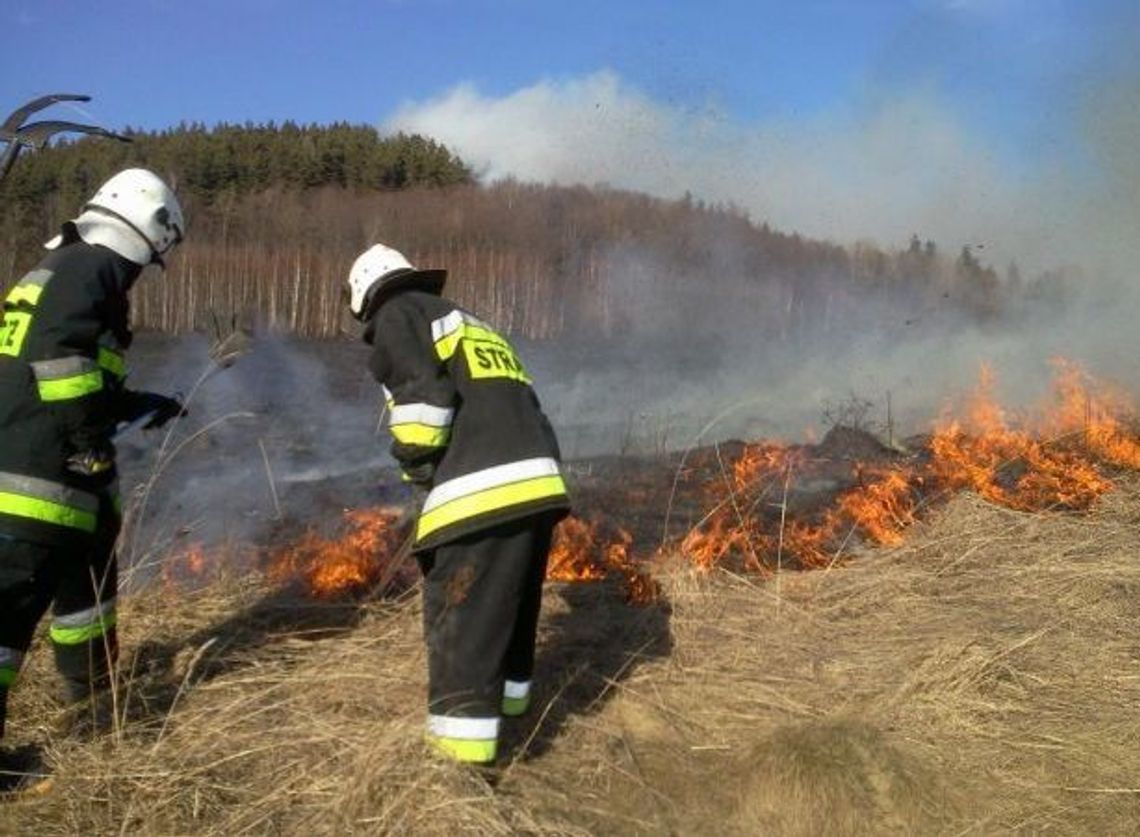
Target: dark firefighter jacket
[62, 338]
[464, 419]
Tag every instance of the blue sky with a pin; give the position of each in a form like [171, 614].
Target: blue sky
[153, 63]
[923, 91]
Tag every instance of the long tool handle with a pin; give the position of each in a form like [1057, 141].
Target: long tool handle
[132, 426]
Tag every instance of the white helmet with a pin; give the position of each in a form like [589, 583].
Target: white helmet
[135, 214]
[380, 269]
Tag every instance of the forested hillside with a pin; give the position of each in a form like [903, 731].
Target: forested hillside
[276, 215]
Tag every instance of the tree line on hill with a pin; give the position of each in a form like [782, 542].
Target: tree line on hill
[278, 213]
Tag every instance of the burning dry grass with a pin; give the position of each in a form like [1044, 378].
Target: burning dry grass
[984, 677]
[1060, 456]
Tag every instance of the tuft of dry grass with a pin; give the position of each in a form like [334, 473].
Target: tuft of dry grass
[982, 678]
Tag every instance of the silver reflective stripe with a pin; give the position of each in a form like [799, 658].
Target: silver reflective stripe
[52, 491]
[516, 688]
[10, 657]
[63, 367]
[387, 394]
[38, 277]
[473, 483]
[83, 618]
[470, 729]
[427, 414]
[454, 321]
[446, 325]
[28, 290]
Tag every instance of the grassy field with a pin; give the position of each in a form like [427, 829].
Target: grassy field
[982, 678]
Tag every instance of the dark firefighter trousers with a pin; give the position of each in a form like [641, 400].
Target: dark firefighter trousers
[482, 595]
[80, 587]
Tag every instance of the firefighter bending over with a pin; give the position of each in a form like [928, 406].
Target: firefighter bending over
[62, 338]
[468, 430]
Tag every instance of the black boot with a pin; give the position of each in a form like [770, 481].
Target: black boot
[86, 719]
[22, 770]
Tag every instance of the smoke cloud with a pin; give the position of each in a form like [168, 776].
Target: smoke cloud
[906, 165]
[278, 443]
[903, 162]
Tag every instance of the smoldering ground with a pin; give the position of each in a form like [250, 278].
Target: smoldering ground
[720, 354]
[284, 439]
[293, 432]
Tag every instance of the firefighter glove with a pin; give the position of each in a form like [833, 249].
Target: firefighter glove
[161, 408]
[420, 475]
[93, 461]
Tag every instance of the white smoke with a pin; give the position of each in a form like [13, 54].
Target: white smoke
[906, 163]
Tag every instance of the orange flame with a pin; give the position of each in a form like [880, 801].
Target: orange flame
[580, 553]
[356, 560]
[1055, 463]
[574, 553]
[1058, 456]
[198, 563]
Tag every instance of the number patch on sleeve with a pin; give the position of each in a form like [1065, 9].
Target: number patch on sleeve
[13, 330]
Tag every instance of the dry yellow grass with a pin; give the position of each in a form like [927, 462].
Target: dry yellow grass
[984, 678]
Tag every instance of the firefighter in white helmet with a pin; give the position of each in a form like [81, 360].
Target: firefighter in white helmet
[468, 431]
[63, 335]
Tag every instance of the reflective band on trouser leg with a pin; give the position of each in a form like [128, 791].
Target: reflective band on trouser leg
[516, 697]
[10, 661]
[489, 490]
[47, 501]
[84, 625]
[65, 378]
[473, 740]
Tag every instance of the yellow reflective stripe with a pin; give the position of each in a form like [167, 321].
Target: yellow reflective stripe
[489, 500]
[55, 492]
[475, 332]
[445, 347]
[28, 294]
[111, 361]
[63, 635]
[466, 750]
[46, 511]
[515, 706]
[446, 333]
[423, 435]
[508, 473]
[75, 386]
